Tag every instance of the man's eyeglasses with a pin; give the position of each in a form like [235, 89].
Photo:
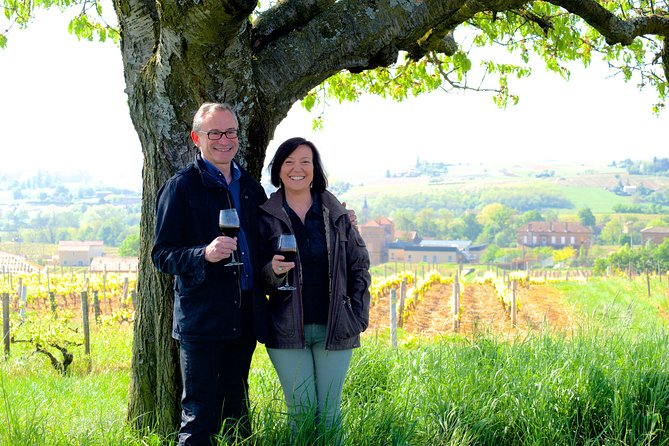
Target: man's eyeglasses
[215, 135]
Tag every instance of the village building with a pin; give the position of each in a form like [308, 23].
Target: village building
[378, 234]
[554, 234]
[384, 244]
[656, 235]
[115, 264]
[79, 253]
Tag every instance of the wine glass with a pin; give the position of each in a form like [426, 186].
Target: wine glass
[288, 249]
[228, 223]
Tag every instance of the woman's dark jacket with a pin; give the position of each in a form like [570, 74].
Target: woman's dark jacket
[349, 299]
[207, 296]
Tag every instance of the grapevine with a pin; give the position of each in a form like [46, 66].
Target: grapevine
[416, 293]
[69, 286]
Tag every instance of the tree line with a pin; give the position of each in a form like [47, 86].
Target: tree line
[115, 225]
[493, 216]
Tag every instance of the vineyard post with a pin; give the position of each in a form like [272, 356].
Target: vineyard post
[23, 297]
[96, 306]
[514, 308]
[5, 322]
[84, 316]
[52, 300]
[393, 318]
[456, 303]
[403, 293]
[104, 285]
[124, 297]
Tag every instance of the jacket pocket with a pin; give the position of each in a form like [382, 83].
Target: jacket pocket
[347, 325]
[282, 315]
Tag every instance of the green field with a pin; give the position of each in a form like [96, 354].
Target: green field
[606, 383]
[599, 201]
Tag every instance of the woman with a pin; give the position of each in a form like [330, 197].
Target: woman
[313, 329]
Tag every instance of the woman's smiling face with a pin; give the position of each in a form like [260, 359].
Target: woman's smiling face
[297, 171]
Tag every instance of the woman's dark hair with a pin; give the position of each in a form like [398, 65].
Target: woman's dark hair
[320, 181]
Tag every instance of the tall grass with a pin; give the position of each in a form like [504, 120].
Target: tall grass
[620, 301]
[604, 384]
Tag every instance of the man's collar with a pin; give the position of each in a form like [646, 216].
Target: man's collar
[215, 171]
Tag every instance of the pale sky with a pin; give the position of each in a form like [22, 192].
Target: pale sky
[63, 105]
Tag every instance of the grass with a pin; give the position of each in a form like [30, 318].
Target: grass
[620, 301]
[599, 201]
[605, 384]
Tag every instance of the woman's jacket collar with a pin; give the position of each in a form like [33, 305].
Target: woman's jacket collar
[274, 205]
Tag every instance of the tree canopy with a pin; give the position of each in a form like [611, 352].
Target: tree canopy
[629, 35]
[178, 54]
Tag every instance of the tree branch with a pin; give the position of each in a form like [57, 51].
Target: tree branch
[614, 29]
[283, 18]
[543, 23]
[354, 35]
[665, 58]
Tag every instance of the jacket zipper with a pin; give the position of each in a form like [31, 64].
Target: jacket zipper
[331, 260]
[300, 326]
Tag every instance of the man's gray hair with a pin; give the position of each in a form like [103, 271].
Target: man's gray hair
[207, 109]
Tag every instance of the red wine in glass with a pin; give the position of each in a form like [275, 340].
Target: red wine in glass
[228, 223]
[288, 254]
[229, 231]
[288, 249]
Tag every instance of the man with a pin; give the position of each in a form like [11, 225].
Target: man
[213, 303]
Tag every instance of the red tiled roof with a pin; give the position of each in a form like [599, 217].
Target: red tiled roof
[656, 230]
[555, 227]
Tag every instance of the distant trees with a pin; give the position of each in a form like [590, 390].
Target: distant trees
[109, 223]
[497, 228]
[130, 245]
[586, 217]
[660, 196]
[646, 259]
[466, 227]
[526, 199]
[657, 166]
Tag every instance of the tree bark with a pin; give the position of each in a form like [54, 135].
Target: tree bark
[178, 54]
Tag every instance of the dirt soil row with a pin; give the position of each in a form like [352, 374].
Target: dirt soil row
[481, 311]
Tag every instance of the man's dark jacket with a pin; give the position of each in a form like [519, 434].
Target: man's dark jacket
[207, 296]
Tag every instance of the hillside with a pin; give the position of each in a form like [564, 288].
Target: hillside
[584, 185]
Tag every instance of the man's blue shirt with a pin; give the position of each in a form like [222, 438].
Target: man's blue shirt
[235, 192]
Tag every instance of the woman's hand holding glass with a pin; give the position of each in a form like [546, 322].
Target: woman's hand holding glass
[280, 266]
[284, 261]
